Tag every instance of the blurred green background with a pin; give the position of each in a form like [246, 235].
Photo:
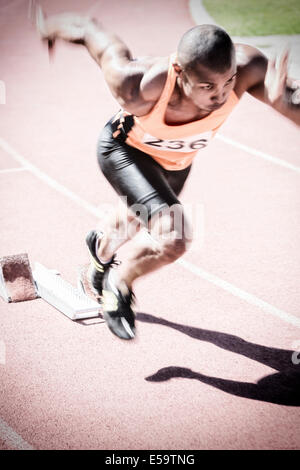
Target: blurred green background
[256, 17]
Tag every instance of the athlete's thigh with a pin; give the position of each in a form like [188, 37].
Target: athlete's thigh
[177, 179]
[134, 175]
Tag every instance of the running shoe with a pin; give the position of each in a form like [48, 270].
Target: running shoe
[97, 269]
[117, 309]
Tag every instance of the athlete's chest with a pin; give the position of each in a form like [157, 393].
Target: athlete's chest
[181, 111]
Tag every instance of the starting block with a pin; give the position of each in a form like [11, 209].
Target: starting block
[63, 296]
[18, 283]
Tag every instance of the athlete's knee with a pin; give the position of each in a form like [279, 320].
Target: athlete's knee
[172, 231]
[117, 224]
[173, 246]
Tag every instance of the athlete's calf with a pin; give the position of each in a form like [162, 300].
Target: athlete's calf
[166, 238]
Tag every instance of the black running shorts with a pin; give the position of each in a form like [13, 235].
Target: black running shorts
[136, 175]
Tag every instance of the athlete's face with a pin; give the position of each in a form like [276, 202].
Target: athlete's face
[207, 89]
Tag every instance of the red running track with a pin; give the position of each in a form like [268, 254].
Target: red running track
[211, 367]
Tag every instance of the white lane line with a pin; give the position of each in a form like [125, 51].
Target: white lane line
[187, 265]
[237, 292]
[48, 180]
[258, 153]
[11, 438]
[12, 170]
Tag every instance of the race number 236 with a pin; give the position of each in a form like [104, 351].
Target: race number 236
[187, 144]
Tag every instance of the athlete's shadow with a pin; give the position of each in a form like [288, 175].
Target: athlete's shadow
[282, 387]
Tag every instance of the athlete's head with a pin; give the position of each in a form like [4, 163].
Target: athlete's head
[206, 65]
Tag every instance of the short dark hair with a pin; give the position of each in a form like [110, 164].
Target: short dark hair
[207, 45]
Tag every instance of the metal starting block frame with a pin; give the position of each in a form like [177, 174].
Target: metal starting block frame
[64, 296]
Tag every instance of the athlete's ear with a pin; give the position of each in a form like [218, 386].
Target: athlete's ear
[177, 68]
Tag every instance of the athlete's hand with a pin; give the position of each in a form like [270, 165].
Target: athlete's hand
[295, 87]
[68, 26]
[40, 21]
[44, 29]
[279, 88]
[276, 78]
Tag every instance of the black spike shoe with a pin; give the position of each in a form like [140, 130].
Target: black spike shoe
[117, 308]
[97, 269]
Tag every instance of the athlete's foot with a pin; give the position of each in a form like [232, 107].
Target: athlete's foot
[117, 300]
[97, 269]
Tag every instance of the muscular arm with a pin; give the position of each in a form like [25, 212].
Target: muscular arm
[268, 83]
[287, 106]
[129, 80]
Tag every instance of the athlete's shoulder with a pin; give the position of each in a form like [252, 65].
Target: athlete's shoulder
[155, 78]
[248, 56]
[143, 83]
[251, 67]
